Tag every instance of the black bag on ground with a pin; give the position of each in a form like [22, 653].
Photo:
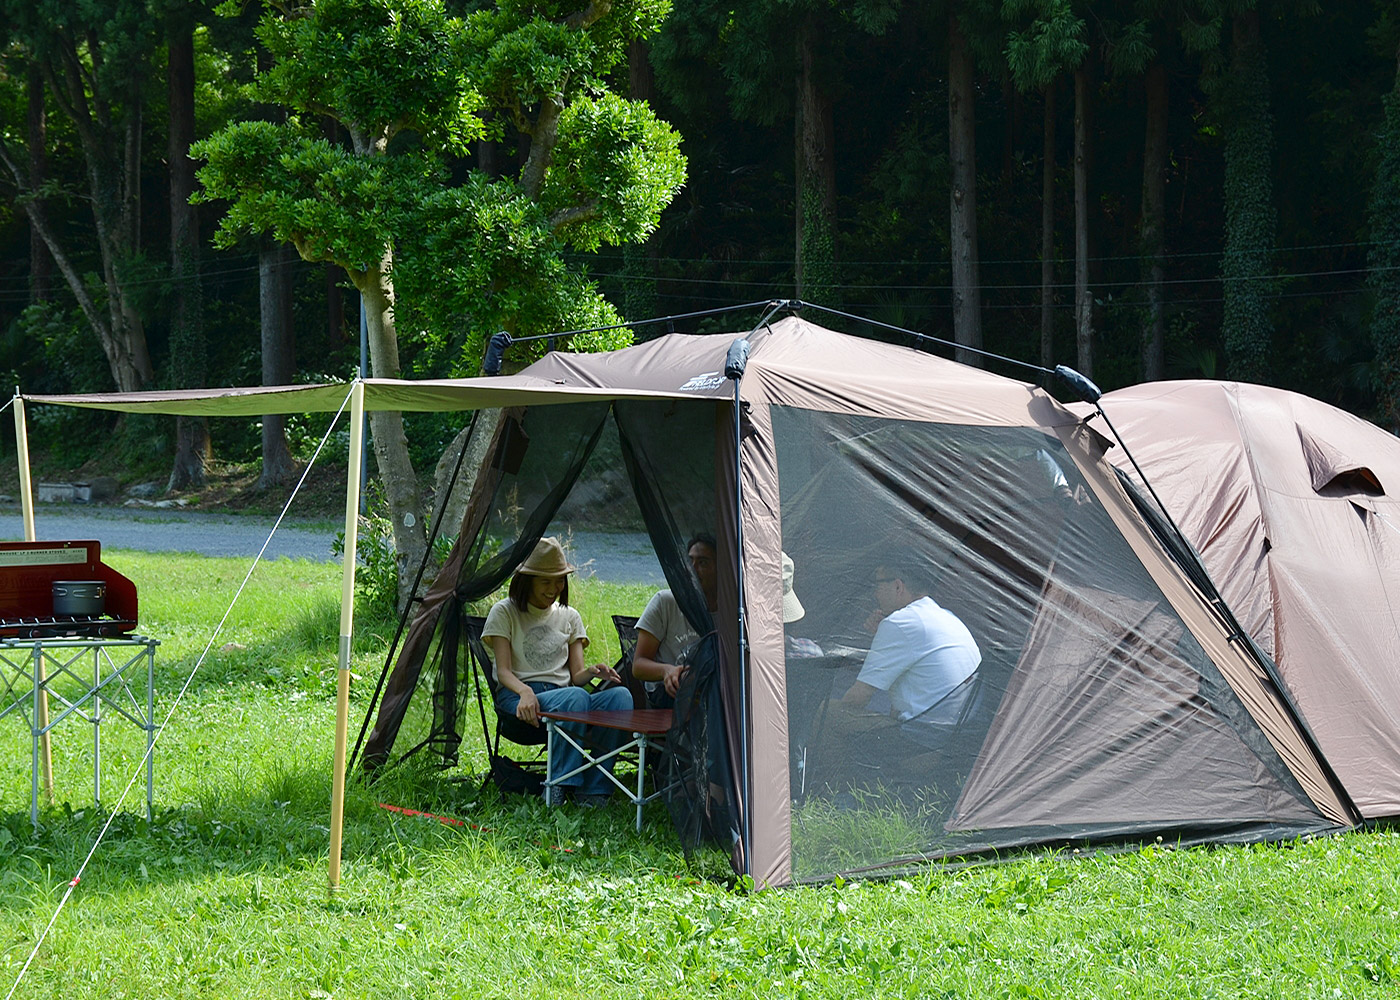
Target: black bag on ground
[512, 779]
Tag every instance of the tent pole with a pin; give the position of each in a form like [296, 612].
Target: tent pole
[347, 624]
[26, 483]
[735, 362]
[26, 499]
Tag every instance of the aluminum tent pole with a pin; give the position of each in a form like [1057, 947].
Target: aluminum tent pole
[26, 499]
[26, 483]
[347, 624]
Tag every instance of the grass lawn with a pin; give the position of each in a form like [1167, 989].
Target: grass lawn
[224, 895]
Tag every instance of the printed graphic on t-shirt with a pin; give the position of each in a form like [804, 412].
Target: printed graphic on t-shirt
[540, 646]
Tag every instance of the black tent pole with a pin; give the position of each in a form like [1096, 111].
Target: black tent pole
[734, 364]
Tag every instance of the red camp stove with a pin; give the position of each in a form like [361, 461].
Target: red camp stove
[28, 572]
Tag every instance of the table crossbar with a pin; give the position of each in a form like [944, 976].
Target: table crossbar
[648, 728]
[83, 675]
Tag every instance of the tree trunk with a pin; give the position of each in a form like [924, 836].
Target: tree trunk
[187, 355]
[278, 360]
[1383, 257]
[962, 195]
[335, 304]
[40, 261]
[1083, 298]
[814, 265]
[111, 183]
[1047, 235]
[1154, 220]
[400, 482]
[1249, 210]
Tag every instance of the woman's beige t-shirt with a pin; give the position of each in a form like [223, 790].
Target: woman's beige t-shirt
[539, 639]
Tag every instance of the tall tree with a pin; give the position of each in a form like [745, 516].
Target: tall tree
[1083, 295]
[1154, 222]
[1046, 41]
[1247, 265]
[411, 85]
[1384, 256]
[962, 194]
[814, 260]
[278, 356]
[187, 353]
[40, 262]
[94, 58]
[747, 46]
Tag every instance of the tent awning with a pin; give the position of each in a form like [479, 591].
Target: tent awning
[404, 395]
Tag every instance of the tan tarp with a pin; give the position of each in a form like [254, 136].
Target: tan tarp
[1294, 507]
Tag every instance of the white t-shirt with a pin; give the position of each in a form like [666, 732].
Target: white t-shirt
[539, 639]
[663, 619]
[921, 653]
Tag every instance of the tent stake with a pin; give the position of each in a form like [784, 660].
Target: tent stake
[347, 624]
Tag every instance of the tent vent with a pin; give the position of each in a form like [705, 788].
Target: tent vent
[1334, 473]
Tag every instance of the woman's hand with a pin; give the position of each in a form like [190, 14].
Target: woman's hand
[528, 710]
[605, 672]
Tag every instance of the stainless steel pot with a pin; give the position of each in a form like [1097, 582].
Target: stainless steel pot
[79, 597]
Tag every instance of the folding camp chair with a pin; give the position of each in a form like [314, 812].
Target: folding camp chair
[626, 626]
[505, 772]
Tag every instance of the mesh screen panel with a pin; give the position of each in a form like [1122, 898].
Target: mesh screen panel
[1092, 711]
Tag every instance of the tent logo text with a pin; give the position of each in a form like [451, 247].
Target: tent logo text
[706, 380]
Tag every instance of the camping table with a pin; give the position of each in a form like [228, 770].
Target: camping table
[812, 681]
[648, 727]
[82, 674]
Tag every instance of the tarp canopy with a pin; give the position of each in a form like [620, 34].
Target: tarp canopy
[1112, 700]
[1294, 507]
[403, 395]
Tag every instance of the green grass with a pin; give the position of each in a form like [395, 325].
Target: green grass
[224, 895]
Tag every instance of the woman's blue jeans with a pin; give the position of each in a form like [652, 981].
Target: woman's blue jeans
[576, 699]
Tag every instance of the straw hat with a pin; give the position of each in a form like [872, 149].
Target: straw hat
[547, 560]
[792, 607]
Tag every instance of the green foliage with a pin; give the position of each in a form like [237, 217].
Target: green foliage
[472, 253]
[332, 204]
[378, 66]
[618, 164]
[376, 568]
[1052, 43]
[819, 275]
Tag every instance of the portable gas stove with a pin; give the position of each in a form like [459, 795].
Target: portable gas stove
[28, 571]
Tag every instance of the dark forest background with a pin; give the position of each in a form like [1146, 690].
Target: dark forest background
[1222, 198]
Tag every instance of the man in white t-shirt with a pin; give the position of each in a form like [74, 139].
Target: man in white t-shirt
[663, 633]
[919, 659]
[920, 655]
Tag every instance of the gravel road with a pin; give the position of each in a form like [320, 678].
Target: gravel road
[615, 557]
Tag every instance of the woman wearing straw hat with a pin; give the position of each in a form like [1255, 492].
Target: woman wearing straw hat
[537, 641]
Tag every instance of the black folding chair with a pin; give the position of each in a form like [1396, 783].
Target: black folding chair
[626, 626]
[525, 776]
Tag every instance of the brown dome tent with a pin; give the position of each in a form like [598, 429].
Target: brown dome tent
[1294, 507]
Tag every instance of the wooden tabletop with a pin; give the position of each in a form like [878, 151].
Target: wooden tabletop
[652, 721]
